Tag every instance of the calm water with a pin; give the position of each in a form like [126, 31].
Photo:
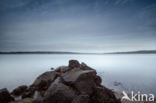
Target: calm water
[134, 72]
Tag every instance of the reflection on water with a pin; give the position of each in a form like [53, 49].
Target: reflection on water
[130, 72]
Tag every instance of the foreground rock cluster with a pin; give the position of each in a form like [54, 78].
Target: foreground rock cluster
[75, 83]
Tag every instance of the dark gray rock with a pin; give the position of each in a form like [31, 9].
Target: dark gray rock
[84, 66]
[83, 98]
[29, 92]
[117, 83]
[103, 95]
[59, 93]
[5, 96]
[19, 90]
[98, 80]
[44, 80]
[73, 64]
[83, 81]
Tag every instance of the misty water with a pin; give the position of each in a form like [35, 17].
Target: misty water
[131, 72]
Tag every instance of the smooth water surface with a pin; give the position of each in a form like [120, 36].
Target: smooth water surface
[132, 72]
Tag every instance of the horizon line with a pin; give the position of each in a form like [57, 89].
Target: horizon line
[70, 52]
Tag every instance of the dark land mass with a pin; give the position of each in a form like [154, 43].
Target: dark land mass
[135, 52]
[39, 52]
[60, 52]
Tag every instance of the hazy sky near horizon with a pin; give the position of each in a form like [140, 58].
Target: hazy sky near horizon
[77, 25]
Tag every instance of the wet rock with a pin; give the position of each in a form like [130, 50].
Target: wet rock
[19, 90]
[81, 99]
[59, 93]
[73, 64]
[5, 96]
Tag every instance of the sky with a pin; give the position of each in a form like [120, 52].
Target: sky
[77, 25]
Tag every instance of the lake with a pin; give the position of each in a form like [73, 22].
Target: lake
[128, 72]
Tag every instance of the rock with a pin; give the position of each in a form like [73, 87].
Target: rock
[84, 66]
[73, 64]
[82, 81]
[73, 75]
[98, 80]
[5, 96]
[62, 69]
[117, 83]
[51, 68]
[19, 90]
[102, 95]
[81, 99]
[59, 93]
[37, 97]
[29, 92]
[43, 85]
[45, 79]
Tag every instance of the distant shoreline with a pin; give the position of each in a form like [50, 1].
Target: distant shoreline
[59, 52]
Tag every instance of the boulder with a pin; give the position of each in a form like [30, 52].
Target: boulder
[83, 98]
[73, 64]
[76, 74]
[59, 93]
[84, 66]
[98, 80]
[5, 96]
[29, 92]
[103, 95]
[82, 81]
[44, 80]
[19, 90]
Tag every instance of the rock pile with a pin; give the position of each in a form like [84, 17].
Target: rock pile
[75, 83]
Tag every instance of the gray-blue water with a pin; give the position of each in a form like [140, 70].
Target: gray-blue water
[134, 72]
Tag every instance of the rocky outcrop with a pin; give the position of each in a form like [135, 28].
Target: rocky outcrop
[5, 96]
[75, 83]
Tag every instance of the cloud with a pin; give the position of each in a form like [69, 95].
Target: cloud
[120, 2]
[10, 4]
[148, 17]
[76, 24]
